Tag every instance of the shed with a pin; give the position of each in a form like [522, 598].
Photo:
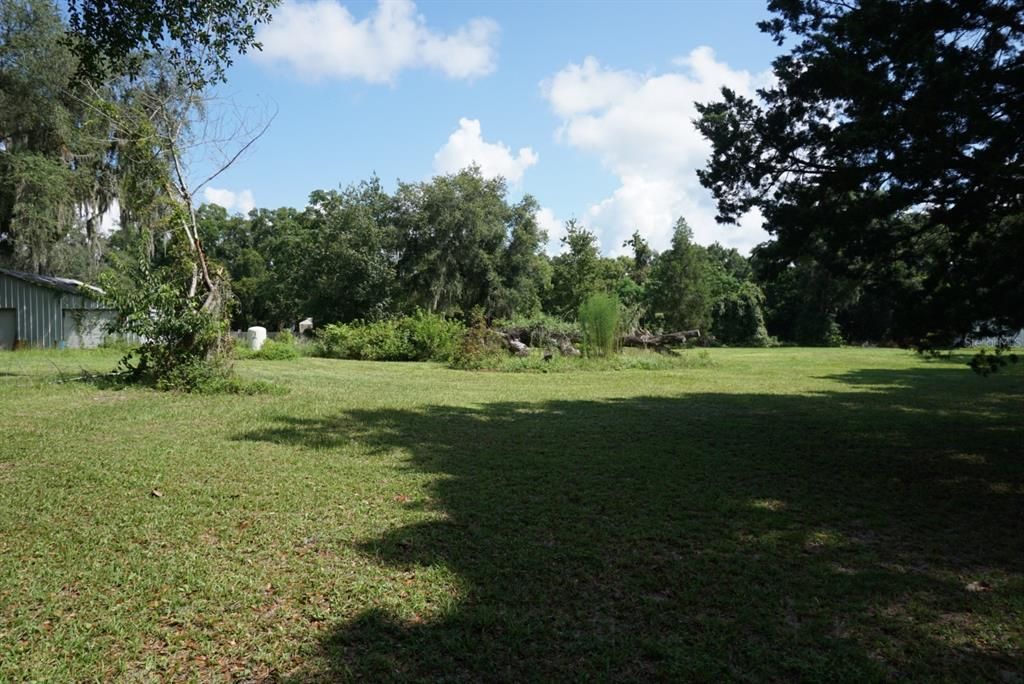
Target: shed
[47, 311]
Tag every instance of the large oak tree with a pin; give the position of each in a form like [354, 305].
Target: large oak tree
[884, 111]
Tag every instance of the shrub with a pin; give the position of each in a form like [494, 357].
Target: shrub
[332, 340]
[432, 336]
[276, 350]
[834, 334]
[204, 376]
[420, 337]
[380, 341]
[185, 337]
[599, 321]
[480, 346]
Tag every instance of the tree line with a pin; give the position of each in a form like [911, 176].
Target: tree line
[456, 243]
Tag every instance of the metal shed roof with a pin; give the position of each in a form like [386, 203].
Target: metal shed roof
[69, 285]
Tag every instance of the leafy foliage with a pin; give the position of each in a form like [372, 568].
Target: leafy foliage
[420, 337]
[679, 296]
[277, 350]
[198, 37]
[451, 235]
[739, 318]
[184, 346]
[575, 273]
[57, 155]
[480, 346]
[880, 109]
[541, 328]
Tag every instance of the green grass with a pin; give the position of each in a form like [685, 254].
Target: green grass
[781, 515]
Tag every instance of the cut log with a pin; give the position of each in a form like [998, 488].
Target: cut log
[565, 346]
[518, 348]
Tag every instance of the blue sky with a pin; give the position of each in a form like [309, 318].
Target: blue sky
[584, 105]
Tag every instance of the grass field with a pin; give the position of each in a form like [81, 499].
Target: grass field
[782, 515]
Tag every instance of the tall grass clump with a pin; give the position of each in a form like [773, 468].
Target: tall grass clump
[599, 323]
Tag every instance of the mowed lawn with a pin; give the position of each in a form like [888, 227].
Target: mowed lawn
[783, 515]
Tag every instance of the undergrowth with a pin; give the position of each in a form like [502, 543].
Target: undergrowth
[538, 362]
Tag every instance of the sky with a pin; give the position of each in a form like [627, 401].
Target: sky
[587, 106]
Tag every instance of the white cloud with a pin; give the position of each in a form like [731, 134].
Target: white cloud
[322, 39]
[467, 146]
[554, 227]
[639, 126]
[241, 201]
[582, 88]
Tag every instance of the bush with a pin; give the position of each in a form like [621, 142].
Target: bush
[834, 334]
[332, 340]
[480, 346]
[432, 336]
[277, 350]
[379, 341]
[185, 337]
[599, 321]
[420, 337]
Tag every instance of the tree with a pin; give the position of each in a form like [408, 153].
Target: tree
[737, 303]
[575, 273]
[878, 109]
[523, 269]
[451, 233]
[346, 269]
[643, 257]
[165, 289]
[58, 170]
[198, 38]
[738, 316]
[802, 297]
[730, 261]
[678, 292]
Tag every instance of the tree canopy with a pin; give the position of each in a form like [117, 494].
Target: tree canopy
[881, 110]
[197, 37]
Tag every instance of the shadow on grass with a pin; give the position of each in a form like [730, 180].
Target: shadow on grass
[874, 533]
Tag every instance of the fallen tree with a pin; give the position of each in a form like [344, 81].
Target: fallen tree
[664, 342]
[520, 340]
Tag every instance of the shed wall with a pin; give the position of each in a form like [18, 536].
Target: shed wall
[39, 311]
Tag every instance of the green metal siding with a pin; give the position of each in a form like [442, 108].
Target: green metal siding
[40, 310]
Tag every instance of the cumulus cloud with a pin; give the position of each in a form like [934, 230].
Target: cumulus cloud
[322, 39]
[467, 146]
[639, 126]
[241, 201]
[554, 227]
